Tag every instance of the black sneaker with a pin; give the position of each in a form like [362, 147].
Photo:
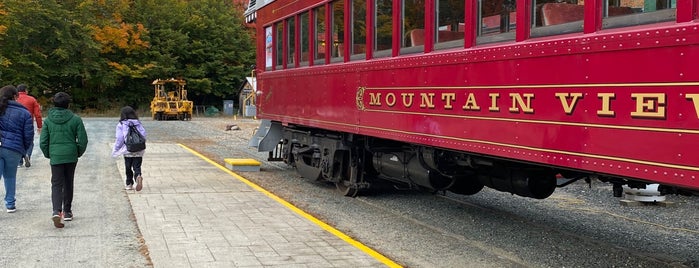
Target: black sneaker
[11, 210]
[68, 216]
[57, 221]
[26, 161]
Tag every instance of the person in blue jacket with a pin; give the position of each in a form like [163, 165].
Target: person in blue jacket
[16, 136]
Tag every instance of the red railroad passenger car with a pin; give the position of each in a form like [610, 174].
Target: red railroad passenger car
[458, 95]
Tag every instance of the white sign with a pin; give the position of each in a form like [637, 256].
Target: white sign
[268, 47]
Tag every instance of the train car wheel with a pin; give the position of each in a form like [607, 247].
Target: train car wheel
[347, 185]
[344, 189]
[305, 168]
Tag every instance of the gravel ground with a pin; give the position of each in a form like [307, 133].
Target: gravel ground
[579, 226]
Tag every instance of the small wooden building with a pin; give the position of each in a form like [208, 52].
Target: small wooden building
[247, 98]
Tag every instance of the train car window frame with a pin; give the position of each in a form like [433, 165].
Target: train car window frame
[303, 38]
[449, 24]
[338, 31]
[291, 50]
[358, 30]
[496, 21]
[620, 13]
[279, 46]
[383, 23]
[542, 25]
[320, 36]
[412, 27]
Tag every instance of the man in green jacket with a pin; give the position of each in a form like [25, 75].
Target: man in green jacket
[63, 140]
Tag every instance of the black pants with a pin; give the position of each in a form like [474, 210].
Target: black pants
[62, 177]
[133, 168]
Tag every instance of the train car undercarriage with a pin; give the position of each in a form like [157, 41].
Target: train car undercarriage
[353, 162]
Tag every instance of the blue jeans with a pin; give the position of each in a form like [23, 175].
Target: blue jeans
[8, 169]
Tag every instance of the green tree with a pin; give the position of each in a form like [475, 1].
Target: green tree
[204, 42]
[43, 46]
[106, 52]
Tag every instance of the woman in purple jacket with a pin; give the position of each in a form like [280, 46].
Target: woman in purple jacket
[16, 135]
[132, 160]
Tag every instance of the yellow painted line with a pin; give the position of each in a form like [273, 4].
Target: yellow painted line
[381, 258]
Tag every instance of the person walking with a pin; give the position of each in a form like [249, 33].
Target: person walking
[132, 160]
[63, 140]
[35, 110]
[16, 136]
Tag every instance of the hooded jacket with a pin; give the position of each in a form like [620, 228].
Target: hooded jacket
[16, 128]
[63, 136]
[121, 130]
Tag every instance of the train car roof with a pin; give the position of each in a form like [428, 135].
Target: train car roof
[254, 5]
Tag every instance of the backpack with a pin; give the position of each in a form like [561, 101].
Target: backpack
[135, 142]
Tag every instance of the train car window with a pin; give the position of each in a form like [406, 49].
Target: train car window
[449, 24]
[496, 21]
[269, 47]
[303, 38]
[338, 31]
[279, 44]
[291, 42]
[553, 17]
[319, 40]
[413, 26]
[622, 13]
[358, 29]
[383, 25]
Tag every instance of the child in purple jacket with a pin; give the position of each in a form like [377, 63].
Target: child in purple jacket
[132, 160]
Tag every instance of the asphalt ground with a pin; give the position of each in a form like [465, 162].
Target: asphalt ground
[192, 212]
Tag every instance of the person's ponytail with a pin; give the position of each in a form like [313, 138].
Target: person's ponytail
[7, 93]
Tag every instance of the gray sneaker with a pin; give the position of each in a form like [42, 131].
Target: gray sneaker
[128, 187]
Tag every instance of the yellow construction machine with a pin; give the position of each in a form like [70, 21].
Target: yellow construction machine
[170, 100]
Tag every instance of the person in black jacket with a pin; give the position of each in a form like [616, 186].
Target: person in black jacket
[16, 136]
